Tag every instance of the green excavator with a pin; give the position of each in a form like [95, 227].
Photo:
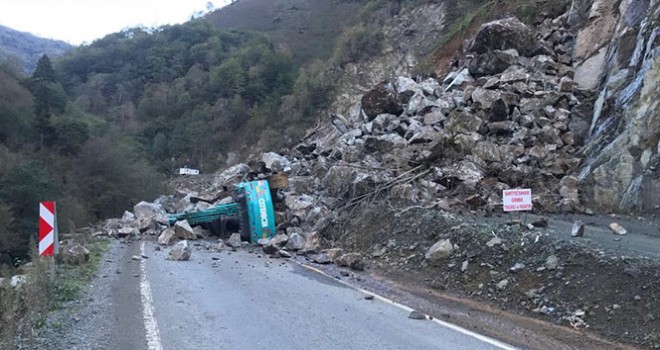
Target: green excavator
[252, 213]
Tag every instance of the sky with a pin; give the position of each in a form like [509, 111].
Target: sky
[83, 21]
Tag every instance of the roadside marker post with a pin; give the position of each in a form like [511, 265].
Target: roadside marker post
[517, 200]
[48, 234]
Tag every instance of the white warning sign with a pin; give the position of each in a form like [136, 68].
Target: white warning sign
[188, 171]
[517, 199]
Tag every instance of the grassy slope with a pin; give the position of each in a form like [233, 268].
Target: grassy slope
[307, 27]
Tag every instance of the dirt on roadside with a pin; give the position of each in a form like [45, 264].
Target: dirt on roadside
[587, 289]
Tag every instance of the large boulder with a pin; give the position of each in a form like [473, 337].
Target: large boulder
[505, 34]
[148, 215]
[384, 98]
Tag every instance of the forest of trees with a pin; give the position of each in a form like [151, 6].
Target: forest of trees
[99, 129]
[102, 127]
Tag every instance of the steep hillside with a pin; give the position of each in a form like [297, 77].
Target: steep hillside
[27, 48]
[308, 28]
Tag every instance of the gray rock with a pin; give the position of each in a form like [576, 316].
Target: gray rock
[128, 216]
[340, 123]
[566, 84]
[279, 240]
[384, 143]
[17, 281]
[299, 205]
[632, 271]
[461, 78]
[146, 213]
[200, 232]
[504, 34]
[493, 242]
[74, 253]
[491, 63]
[439, 251]
[434, 117]
[274, 161]
[429, 86]
[578, 229]
[234, 240]
[501, 285]
[181, 251]
[312, 244]
[270, 248]
[183, 230]
[514, 74]
[334, 253]
[552, 262]
[405, 85]
[351, 260]
[127, 231]
[231, 176]
[416, 315]
[322, 259]
[618, 229]
[484, 98]
[383, 98]
[295, 241]
[466, 171]
[419, 104]
[168, 237]
[517, 267]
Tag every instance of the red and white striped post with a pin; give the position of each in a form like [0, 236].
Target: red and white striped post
[48, 240]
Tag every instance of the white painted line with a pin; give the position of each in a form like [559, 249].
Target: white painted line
[150, 323]
[454, 327]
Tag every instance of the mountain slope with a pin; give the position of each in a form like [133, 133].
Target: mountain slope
[28, 48]
[306, 27]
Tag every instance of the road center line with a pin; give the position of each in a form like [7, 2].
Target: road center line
[150, 323]
[454, 327]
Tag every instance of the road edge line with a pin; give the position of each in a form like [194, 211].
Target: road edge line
[150, 324]
[452, 326]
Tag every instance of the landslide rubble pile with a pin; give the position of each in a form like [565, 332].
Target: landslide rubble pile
[509, 116]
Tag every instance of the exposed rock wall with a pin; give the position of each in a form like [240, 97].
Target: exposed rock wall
[617, 55]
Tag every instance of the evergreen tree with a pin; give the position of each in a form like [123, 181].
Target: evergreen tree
[49, 96]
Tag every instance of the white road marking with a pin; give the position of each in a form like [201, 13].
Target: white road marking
[150, 323]
[454, 327]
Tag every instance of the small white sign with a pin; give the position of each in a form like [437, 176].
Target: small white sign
[517, 199]
[188, 171]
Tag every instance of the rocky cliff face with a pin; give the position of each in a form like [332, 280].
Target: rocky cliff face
[607, 54]
[617, 55]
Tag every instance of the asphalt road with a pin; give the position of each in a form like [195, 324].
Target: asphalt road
[242, 300]
[641, 240]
